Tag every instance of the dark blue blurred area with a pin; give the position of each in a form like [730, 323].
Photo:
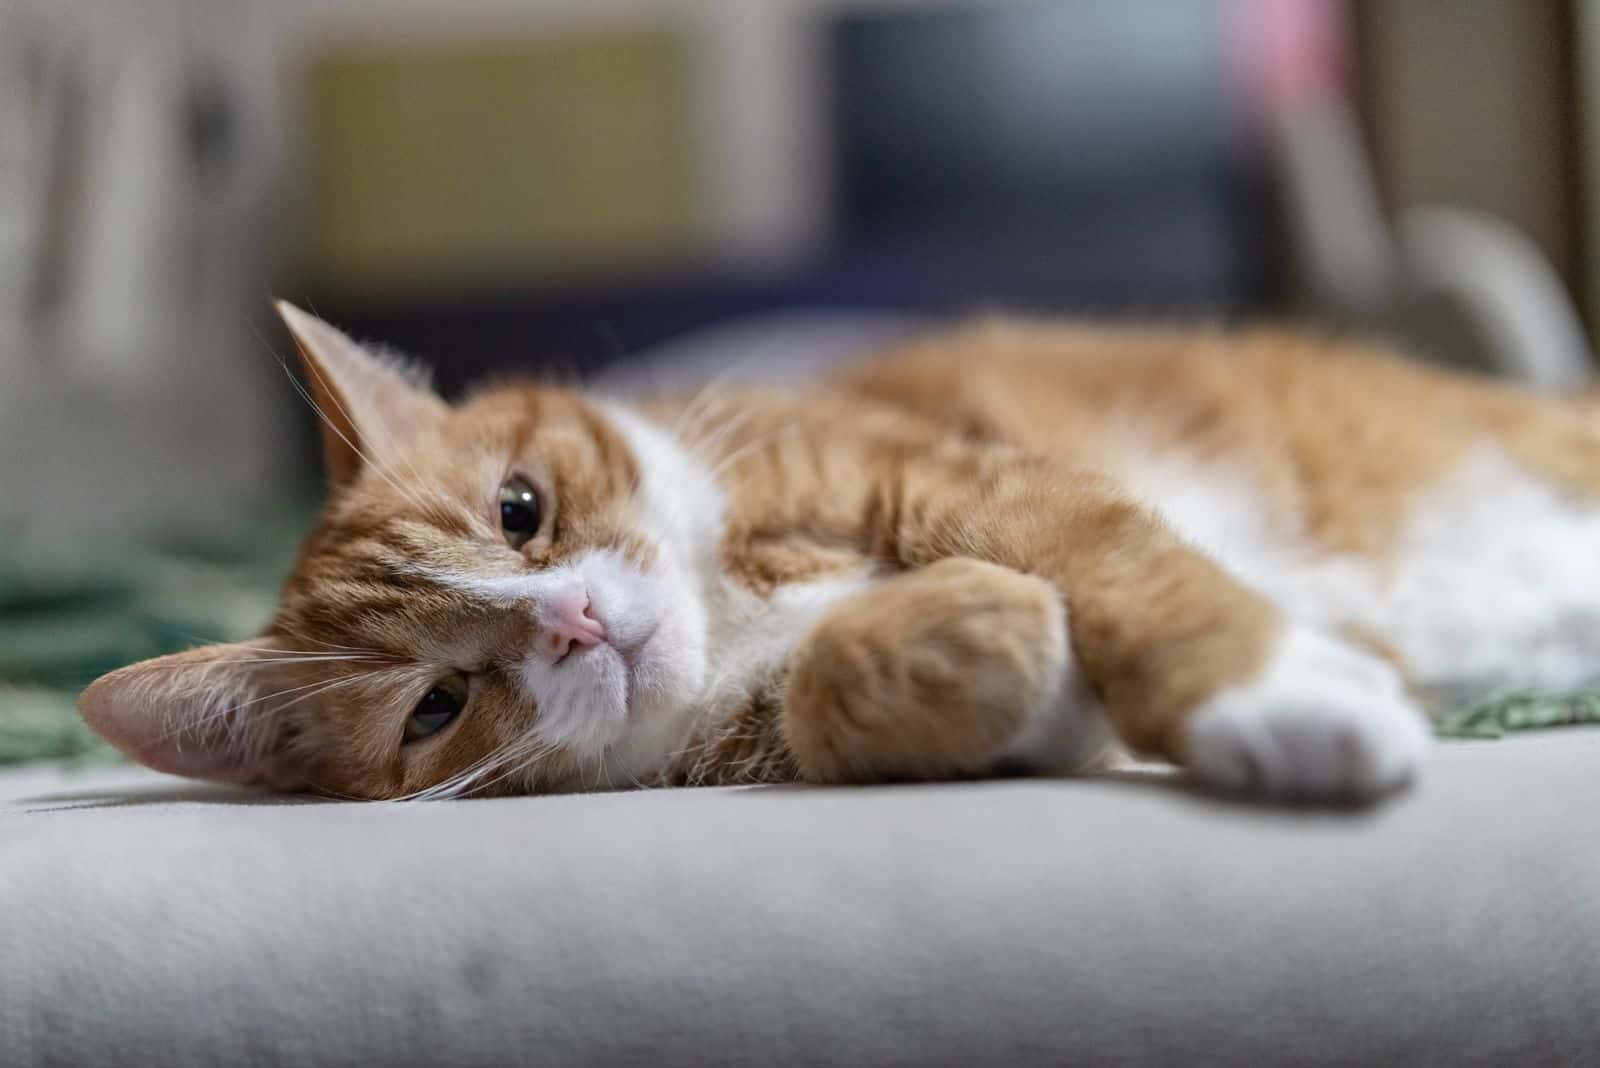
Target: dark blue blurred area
[1077, 157]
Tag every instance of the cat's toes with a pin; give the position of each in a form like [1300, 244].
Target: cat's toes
[1324, 722]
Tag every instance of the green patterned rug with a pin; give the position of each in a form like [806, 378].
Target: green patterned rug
[69, 613]
[1520, 710]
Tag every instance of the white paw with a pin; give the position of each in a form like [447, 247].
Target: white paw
[1324, 721]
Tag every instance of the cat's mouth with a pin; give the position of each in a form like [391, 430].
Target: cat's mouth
[621, 660]
[629, 647]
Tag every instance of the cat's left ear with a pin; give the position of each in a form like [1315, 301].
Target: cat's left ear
[368, 403]
[209, 713]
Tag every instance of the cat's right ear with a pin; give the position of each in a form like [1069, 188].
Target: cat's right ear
[368, 403]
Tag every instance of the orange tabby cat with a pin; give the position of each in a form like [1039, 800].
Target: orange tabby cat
[1257, 555]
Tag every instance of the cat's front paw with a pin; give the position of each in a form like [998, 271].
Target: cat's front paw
[1325, 721]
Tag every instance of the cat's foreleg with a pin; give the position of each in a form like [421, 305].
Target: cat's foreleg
[958, 668]
[1189, 663]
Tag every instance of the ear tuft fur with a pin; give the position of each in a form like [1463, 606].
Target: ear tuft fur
[369, 401]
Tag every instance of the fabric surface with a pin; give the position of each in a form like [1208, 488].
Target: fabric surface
[1122, 920]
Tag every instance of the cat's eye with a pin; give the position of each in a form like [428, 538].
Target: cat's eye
[438, 708]
[520, 513]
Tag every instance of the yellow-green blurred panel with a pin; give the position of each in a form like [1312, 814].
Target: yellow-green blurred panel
[493, 161]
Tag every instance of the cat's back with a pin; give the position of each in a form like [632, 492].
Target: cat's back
[1352, 485]
[1337, 438]
[1066, 386]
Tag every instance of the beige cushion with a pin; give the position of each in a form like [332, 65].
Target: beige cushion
[146, 921]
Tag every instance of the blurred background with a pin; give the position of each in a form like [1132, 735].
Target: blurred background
[655, 191]
[645, 187]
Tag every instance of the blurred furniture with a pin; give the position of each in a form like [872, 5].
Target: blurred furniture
[1424, 175]
[1447, 284]
[1431, 263]
[140, 197]
[1091, 159]
[942, 158]
[1476, 105]
[1116, 921]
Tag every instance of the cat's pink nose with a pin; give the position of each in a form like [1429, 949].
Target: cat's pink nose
[569, 621]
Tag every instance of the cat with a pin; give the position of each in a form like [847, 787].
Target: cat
[1010, 546]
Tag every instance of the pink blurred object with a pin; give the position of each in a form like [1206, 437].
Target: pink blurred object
[1282, 51]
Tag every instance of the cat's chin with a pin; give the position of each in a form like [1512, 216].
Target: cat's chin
[666, 672]
[657, 683]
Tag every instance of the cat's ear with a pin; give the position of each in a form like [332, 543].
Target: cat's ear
[368, 402]
[209, 713]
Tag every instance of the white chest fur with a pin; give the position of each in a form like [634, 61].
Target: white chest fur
[737, 639]
[753, 635]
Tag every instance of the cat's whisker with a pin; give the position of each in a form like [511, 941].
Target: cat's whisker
[710, 393]
[286, 692]
[520, 752]
[179, 666]
[463, 779]
[690, 407]
[466, 780]
[715, 396]
[330, 654]
[522, 755]
[368, 456]
[197, 641]
[740, 453]
[632, 778]
[391, 446]
[730, 461]
[519, 761]
[333, 685]
[718, 387]
[335, 645]
[500, 768]
[706, 446]
[693, 432]
[229, 710]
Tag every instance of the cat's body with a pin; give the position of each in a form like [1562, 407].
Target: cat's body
[1448, 520]
[995, 548]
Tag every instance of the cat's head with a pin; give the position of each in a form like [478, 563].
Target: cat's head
[504, 594]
